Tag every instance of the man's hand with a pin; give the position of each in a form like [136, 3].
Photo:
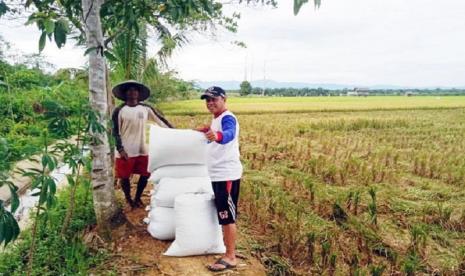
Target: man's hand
[203, 128]
[124, 155]
[211, 135]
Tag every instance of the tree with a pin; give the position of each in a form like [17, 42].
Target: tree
[102, 171]
[246, 88]
[97, 23]
[53, 18]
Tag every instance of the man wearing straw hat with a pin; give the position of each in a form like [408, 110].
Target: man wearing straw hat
[129, 122]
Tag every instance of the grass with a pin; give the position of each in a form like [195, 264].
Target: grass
[256, 105]
[56, 255]
[298, 167]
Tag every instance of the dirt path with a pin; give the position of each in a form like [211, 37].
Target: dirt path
[138, 253]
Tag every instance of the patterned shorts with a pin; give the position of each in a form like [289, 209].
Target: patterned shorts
[226, 198]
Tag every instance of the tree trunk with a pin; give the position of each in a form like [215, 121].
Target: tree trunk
[102, 174]
[110, 108]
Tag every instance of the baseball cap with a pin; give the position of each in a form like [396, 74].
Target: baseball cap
[214, 91]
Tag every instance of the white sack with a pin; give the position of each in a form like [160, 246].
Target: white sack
[169, 146]
[179, 171]
[168, 188]
[197, 228]
[162, 223]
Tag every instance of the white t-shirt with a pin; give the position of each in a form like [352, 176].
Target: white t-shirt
[131, 128]
[223, 156]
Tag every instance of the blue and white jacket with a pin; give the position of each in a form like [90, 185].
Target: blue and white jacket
[223, 155]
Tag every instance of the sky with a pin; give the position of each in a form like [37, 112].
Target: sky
[357, 42]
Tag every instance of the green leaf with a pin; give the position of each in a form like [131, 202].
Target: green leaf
[14, 197]
[110, 56]
[52, 187]
[70, 180]
[12, 230]
[3, 8]
[45, 160]
[7, 229]
[50, 201]
[42, 41]
[2, 231]
[60, 32]
[49, 26]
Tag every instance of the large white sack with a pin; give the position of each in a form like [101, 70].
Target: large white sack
[168, 146]
[197, 228]
[179, 171]
[162, 223]
[169, 188]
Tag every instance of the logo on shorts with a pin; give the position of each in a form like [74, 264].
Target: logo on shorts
[223, 215]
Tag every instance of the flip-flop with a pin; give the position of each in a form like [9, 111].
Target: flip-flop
[221, 262]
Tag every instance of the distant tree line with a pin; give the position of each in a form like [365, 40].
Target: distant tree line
[247, 89]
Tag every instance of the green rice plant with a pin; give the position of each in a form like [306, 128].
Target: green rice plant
[349, 199]
[311, 238]
[444, 213]
[377, 270]
[339, 215]
[372, 209]
[359, 272]
[418, 236]
[310, 185]
[353, 201]
[325, 252]
[332, 264]
[329, 174]
[412, 264]
[356, 200]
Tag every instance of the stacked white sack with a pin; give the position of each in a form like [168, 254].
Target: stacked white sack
[162, 201]
[169, 188]
[170, 147]
[162, 223]
[177, 160]
[179, 171]
[197, 228]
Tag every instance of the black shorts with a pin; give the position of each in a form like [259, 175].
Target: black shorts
[226, 198]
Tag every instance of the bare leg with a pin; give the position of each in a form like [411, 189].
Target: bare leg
[140, 189]
[230, 234]
[126, 187]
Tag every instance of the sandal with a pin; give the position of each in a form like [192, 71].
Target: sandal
[223, 263]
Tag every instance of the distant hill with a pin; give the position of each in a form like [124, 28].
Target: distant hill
[234, 85]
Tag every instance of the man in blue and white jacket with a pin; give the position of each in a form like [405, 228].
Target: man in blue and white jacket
[225, 169]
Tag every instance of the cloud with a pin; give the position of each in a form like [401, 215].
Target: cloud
[366, 42]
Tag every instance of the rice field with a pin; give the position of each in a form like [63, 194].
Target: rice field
[253, 105]
[359, 192]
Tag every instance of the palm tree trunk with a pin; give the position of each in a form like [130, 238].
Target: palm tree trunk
[102, 174]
